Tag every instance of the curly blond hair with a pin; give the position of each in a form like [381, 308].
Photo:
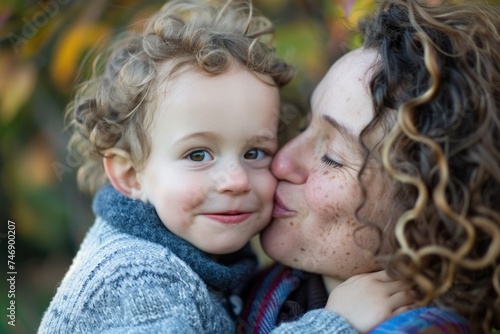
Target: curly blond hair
[440, 70]
[111, 108]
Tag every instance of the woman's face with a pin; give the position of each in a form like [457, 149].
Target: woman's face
[318, 191]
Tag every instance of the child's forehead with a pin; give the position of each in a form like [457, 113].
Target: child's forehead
[181, 88]
[169, 72]
[236, 96]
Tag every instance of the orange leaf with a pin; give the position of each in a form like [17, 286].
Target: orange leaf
[70, 50]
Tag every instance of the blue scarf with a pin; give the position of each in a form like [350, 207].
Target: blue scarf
[141, 220]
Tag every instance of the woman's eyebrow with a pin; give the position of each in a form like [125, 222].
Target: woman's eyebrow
[346, 132]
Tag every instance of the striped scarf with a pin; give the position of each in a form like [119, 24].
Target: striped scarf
[424, 320]
[270, 291]
[274, 285]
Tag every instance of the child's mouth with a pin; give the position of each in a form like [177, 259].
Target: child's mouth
[229, 217]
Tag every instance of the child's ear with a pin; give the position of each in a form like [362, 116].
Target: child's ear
[121, 172]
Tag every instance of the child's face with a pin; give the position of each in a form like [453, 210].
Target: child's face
[208, 175]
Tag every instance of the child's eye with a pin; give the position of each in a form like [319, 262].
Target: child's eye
[199, 156]
[254, 154]
[329, 162]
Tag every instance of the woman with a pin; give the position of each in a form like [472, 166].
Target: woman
[398, 169]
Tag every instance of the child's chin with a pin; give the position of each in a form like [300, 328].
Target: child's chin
[224, 250]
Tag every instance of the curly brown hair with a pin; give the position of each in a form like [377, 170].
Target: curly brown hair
[439, 68]
[111, 109]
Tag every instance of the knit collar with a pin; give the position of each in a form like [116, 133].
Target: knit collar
[141, 220]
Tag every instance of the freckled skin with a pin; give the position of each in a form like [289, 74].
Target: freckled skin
[323, 239]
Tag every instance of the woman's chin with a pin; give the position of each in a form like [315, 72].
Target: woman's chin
[275, 242]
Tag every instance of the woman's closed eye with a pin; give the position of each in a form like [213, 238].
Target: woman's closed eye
[329, 162]
[199, 155]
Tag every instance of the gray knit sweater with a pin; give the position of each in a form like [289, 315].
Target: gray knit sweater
[132, 275]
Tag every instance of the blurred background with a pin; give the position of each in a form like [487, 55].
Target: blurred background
[42, 46]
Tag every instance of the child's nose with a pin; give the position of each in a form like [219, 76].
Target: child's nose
[234, 179]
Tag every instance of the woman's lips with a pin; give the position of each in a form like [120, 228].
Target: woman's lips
[280, 210]
[230, 217]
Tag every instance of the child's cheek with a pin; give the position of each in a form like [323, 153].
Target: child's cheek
[192, 193]
[192, 199]
[271, 184]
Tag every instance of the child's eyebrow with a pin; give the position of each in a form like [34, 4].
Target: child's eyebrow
[209, 135]
[262, 138]
[214, 136]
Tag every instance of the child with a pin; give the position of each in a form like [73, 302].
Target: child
[183, 124]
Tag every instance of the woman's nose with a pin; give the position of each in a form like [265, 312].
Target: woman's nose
[233, 179]
[290, 162]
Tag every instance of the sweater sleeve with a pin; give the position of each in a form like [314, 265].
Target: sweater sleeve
[318, 321]
[161, 306]
[133, 287]
[424, 320]
[168, 326]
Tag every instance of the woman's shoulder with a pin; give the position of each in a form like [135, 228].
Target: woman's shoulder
[424, 319]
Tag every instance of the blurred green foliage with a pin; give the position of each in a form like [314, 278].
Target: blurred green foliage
[42, 45]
